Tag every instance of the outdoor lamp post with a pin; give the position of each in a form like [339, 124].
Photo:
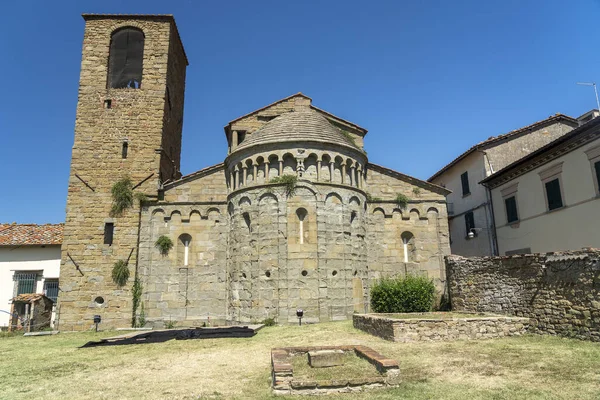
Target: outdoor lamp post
[97, 320]
[299, 314]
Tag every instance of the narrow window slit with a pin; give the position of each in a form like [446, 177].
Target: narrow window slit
[124, 150]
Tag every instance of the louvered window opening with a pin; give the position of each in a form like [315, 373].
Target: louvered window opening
[126, 59]
[26, 282]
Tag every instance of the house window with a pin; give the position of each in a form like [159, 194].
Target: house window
[126, 58]
[51, 289]
[594, 157]
[511, 209]
[25, 282]
[597, 170]
[551, 179]
[509, 194]
[464, 179]
[109, 229]
[553, 194]
[469, 222]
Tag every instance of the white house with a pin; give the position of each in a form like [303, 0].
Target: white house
[29, 262]
[550, 199]
[469, 205]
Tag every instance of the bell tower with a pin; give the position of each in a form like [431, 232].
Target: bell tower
[128, 126]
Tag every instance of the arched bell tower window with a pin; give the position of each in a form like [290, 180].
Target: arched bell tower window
[126, 58]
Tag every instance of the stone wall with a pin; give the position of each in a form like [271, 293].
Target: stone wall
[434, 329]
[560, 292]
[206, 185]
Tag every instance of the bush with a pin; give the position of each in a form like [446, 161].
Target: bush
[269, 322]
[400, 295]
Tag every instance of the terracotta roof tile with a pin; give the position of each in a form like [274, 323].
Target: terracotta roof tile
[30, 234]
[28, 297]
[494, 139]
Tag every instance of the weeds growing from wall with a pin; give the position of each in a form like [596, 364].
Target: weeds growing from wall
[372, 199]
[402, 201]
[164, 244]
[289, 183]
[122, 196]
[120, 273]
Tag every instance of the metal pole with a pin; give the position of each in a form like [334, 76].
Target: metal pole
[596, 91]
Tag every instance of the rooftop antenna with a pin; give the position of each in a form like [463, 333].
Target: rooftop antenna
[595, 91]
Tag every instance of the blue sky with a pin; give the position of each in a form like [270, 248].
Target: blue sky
[427, 79]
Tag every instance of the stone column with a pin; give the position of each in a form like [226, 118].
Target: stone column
[255, 170]
[234, 177]
[352, 176]
[331, 167]
[266, 171]
[318, 170]
[245, 175]
[343, 173]
[234, 140]
[280, 167]
[359, 177]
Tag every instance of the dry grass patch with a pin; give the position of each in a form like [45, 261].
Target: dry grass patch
[531, 367]
[353, 367]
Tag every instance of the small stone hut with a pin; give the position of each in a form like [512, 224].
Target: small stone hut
[31, 312]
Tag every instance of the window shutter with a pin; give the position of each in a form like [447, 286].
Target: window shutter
[553, 194]
[597, 167]
[464, 179]
[511, 209]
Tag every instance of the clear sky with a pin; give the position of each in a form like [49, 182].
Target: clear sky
[428, 79]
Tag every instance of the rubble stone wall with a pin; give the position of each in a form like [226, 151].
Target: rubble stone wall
[415, 330]
[559, 292]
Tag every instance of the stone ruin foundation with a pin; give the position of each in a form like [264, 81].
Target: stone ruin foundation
[439, 326]
[284, 383]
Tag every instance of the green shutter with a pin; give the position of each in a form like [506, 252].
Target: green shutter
[511, 209]
[553, 194]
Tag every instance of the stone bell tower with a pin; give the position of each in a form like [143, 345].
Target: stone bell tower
[128, 125]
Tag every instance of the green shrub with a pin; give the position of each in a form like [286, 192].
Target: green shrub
[120, 273]
[269, 322]
[400, 295]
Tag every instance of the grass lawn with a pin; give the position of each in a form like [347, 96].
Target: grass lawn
[531, 367]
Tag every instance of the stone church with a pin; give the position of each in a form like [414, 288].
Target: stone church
[295, 217]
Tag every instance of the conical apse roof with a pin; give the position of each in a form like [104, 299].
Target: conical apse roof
[297, 126]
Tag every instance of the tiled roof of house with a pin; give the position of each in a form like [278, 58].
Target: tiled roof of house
[494, 139]
[29, 297]
[30, 234]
